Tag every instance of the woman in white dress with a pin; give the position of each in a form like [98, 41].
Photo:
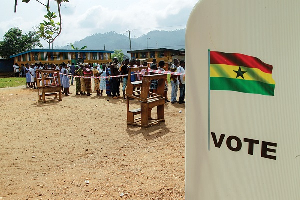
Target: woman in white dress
[102, 79]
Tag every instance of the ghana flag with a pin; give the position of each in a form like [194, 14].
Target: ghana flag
[239, 72]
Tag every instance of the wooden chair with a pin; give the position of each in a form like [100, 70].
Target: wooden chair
[150, 100]
[131, 91]
[48, 85]
[146, 99]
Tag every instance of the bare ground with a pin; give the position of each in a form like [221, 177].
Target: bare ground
[82, 148]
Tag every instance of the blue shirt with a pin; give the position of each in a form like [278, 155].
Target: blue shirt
[72, 69]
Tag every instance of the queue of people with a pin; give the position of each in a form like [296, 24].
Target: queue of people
[108, 77]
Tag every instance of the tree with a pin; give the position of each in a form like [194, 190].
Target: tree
[76, 48]
[15, 42]
[47, 5]
[48, 29]
[119, 55]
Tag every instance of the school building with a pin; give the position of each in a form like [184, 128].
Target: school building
[58, 56]
[164, 54]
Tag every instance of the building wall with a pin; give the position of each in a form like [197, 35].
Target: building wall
[60, 57]
[6, 66]
[166, 56]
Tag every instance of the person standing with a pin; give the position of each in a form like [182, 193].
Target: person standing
[87, 79]
[96, 81]
[161, 66]
[115, 79]
[28, 77]
[154, 83]
[72, 71]
[174, 81]
[23, 70]
[124, 72]
[65, 82]
[32, 73]
[78, 73]
[181, 70]
[62, 69]
[35, 80]
[102, 79]
[16, 70]
[153, 65]
[108, 81]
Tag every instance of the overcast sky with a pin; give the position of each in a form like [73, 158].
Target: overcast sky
[81, 18]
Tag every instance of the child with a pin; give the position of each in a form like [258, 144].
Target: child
[28, 77]
[65, 82]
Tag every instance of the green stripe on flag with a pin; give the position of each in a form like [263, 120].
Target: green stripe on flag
[240, 85]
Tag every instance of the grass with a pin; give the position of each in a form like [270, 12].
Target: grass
[12, 82]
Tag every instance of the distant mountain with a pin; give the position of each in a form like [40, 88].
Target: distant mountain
[154, 39]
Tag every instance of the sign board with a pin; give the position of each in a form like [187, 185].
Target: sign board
[242, 139]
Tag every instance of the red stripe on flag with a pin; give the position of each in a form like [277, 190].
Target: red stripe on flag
[239, 60]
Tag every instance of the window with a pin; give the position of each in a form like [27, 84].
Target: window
[42, 56]
[36, 56]
[152, 54]
[161, 54]
[51, 56]
[143, 55]
[65, 56]
[57, 55]
[94, 56]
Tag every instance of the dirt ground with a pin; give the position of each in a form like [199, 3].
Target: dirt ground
[82, 148]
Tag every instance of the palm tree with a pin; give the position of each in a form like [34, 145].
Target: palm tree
[76, 48]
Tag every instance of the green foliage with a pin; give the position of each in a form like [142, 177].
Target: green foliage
[15, 42]
[52, 33]
[12, 82]
[76, 48]
[119, 55]
[48, 29]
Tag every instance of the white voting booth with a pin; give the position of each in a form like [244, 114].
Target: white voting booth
[241, 144]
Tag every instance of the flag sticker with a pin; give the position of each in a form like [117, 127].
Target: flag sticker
[241, 73]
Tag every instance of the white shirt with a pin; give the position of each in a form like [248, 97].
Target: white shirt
[182, 71]
[16, 68]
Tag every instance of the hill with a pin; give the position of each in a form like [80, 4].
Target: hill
[154, 39]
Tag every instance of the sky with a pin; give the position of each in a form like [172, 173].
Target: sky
[81, 18]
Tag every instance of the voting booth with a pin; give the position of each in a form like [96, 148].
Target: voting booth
[243, 100]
